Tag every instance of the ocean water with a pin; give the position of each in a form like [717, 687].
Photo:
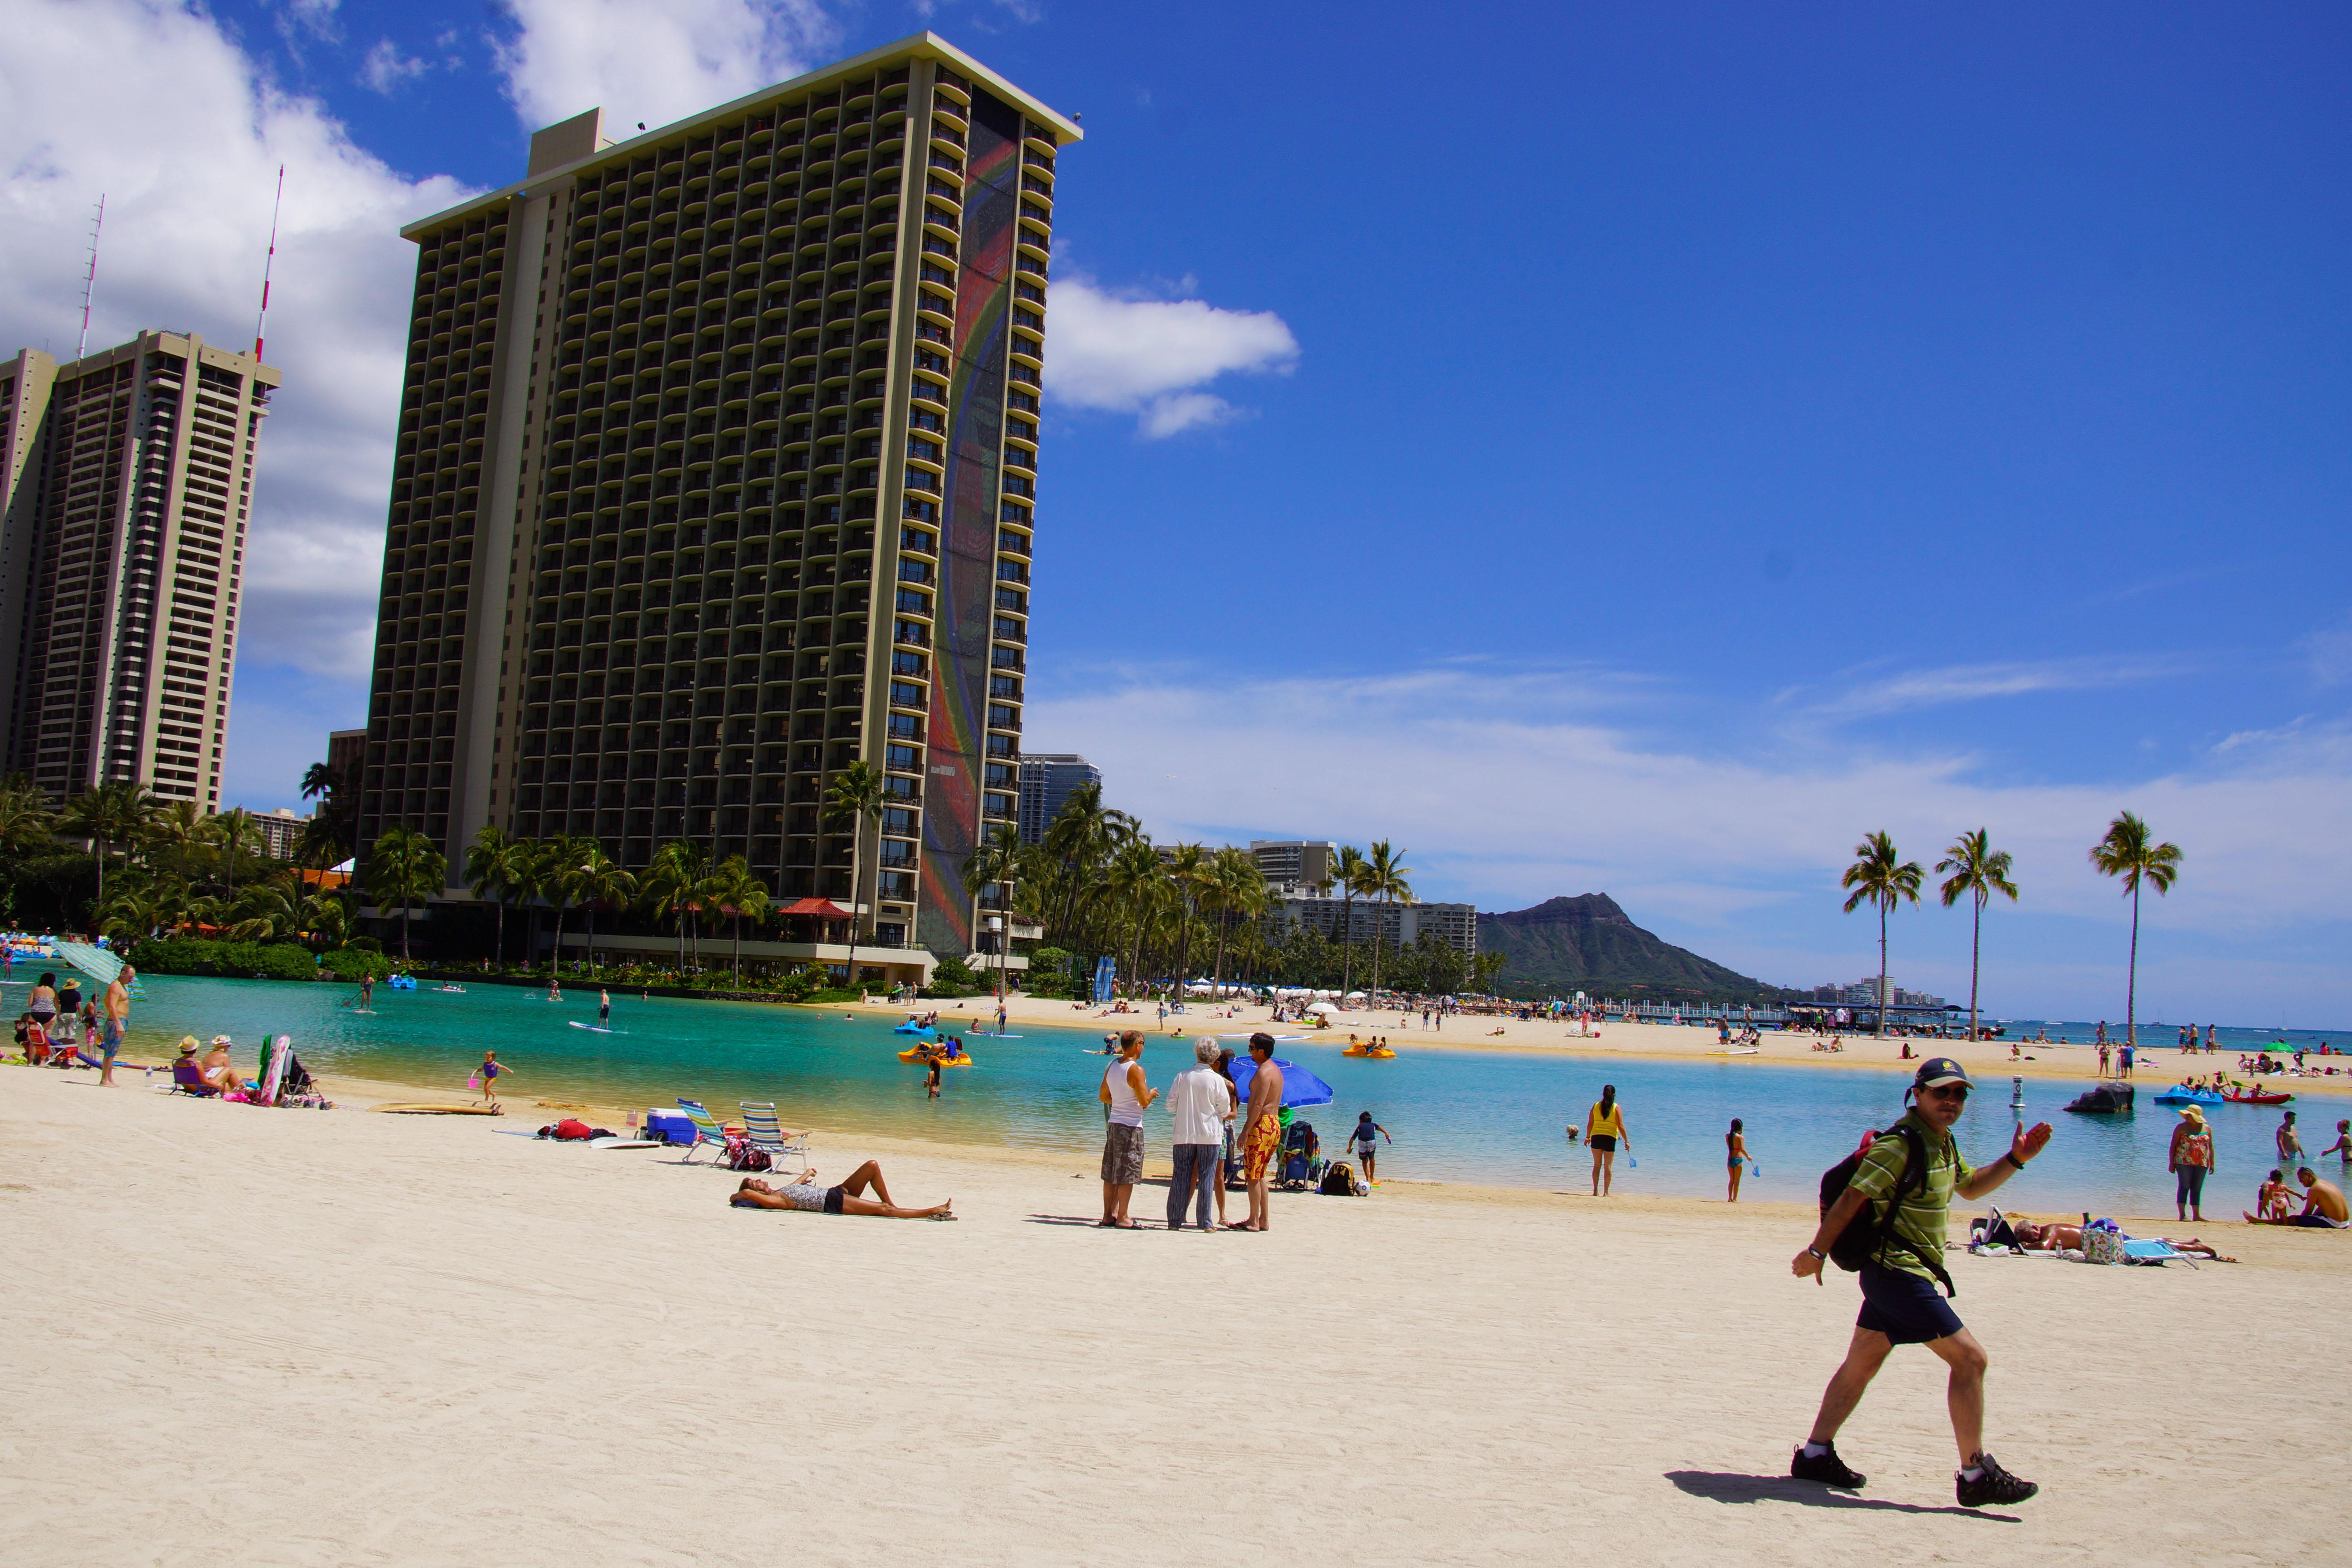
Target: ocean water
[1464, 1116]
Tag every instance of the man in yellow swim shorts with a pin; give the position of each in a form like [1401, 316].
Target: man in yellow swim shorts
[1263, 1135]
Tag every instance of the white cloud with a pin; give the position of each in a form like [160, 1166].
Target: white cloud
[1150, 357]
[385, 68]
[655, 60]
[185, 135]
[1977, 682]
[2330, 653]
[314, 18]
[1508, 788]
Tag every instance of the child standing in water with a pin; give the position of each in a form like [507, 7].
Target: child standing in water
[1735, 1142]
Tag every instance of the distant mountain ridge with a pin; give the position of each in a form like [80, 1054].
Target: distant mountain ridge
[1588, 944]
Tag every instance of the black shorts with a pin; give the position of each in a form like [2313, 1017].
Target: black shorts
[833, 1200]
[1904, 1307]
[1601, 1143]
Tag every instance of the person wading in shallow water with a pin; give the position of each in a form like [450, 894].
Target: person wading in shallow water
[1899, 1303]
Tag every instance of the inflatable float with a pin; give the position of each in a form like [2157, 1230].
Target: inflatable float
[923, 1056]
[1372, 1053]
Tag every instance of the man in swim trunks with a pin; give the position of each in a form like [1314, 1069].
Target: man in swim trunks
[603, 1009]
[802, 1192]
[114, 1008]
[1900, 1305]
[2323, 1206]
[1262, 1135]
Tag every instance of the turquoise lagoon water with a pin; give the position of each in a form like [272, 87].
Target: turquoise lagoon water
[1466, 1116]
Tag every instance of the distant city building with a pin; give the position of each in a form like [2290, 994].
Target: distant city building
[281, 830]
[126, 480]
[1863, 993]
[1397, 925]
[1047, 780]
[1294, 865]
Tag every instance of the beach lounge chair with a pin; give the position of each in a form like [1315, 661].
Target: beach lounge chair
[706, 1129]
[761, 1128]
[185, 1079]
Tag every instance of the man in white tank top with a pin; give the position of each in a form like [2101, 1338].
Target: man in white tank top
[1128, 1097]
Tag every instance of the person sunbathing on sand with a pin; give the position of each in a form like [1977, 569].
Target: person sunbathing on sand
[802, 1192]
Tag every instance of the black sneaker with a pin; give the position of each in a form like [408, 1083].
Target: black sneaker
[1825, 1468]
[1995, 1485]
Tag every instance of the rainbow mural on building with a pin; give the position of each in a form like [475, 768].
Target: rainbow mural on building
[964, 607]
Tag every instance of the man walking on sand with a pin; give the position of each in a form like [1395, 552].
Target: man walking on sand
[1125, 1098]
[1198, 1102]
[1899, 1304]
[114, 1008]
[1262, 1134]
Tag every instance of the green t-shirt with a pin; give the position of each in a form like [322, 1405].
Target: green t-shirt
[1925, 1217]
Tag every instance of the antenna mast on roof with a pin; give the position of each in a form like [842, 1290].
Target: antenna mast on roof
[271, 262]
[89, 279]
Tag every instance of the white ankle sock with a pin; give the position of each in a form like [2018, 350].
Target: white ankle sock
[1972, 1472]
[1815, 1450]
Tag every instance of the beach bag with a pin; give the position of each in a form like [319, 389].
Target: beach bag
[2103, 1243]
[1338, 1180]
[1872, 1229]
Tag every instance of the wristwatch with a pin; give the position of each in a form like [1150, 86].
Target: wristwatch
[2011, 1157]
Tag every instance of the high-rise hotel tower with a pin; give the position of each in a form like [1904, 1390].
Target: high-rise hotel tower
[715, 477]
[126, 482]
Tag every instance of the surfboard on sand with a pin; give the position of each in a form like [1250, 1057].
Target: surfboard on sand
[627, 1143]
[442, 1110]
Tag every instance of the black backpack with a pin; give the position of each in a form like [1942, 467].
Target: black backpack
[1872, 1230]
[1338, 1180]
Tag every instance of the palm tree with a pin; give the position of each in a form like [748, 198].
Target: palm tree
[1384, 878]
[1880, 877]
[1136, 878]
[733, 891]
[853, 800]
[995, 862]
[1348, 870]
[669, 883]
[1235, 886]
[2126, 852]
[1188, 871]
[604, 881]
[557, 877]
[1978, 872]
[179, 825]
[232, 830]
[27, 824]
[405, 869]
[1084, 833]
[328, 920]
[495, 868]
[111, 814]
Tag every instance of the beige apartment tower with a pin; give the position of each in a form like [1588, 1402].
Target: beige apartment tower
[127, 477]
[716, 474]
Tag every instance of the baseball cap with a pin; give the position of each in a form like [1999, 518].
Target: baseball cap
[1938, 1071]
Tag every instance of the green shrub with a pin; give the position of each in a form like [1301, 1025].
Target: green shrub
[351, 962]
[952, 978]
[228, 960]
[1049, 983]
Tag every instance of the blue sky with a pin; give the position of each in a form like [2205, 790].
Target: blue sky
[1592, 448]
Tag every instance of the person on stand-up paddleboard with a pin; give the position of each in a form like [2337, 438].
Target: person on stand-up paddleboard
[603, 1009]
[1899, 1303]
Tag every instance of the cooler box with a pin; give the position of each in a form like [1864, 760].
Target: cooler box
[669, 1126]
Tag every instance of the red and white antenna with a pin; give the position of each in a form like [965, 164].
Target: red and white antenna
[260, 320]
[89, 279]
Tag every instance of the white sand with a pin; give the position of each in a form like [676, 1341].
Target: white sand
[1989, 1060]
[253, 1337]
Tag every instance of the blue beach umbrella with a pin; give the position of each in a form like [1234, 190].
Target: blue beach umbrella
[1299, 1086]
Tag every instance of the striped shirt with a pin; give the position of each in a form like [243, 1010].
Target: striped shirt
[1925, 1217]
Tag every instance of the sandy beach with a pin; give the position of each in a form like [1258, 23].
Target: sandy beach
[1988, 1058]
[303, 1337]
